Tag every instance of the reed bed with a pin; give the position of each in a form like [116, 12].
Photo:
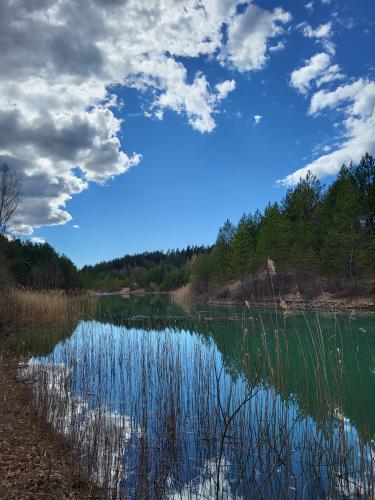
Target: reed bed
[27, 308]
[159, 412]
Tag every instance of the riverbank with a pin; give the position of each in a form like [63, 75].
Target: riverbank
[35, 461]
[323, 301]
[232, 296]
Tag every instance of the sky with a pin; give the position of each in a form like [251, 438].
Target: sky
[138, 125]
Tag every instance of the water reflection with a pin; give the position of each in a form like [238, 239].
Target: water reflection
[215, 402]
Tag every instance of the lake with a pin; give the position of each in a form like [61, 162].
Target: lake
[169, 400]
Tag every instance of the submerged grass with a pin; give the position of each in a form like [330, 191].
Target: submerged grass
[157, 412]
[35, 462]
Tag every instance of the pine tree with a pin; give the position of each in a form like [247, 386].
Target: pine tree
[300, 207]
[273, 237]
[221, 254]
[243, 252]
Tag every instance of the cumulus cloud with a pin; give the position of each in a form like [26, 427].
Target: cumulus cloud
[318, 68]
[59, 128]
[224, 88]
[353, 103]
[248, 37]
[313, 68]
[38, 240]
[257, 119]
[356, 101]
[322, 31]
[322, 34]
[279, 46]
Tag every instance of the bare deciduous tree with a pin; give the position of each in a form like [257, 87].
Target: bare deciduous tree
[9, 196]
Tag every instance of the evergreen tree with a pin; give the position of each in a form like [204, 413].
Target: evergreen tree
[221, 254]
[274, 237]
[243, 249]
[300, 207]
[339, 224]
[364, 177]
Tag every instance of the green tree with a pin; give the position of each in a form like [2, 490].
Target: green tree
[364, 178]
[300, 207]
[243, 251]
[339, 219]
[273, 237]
[221, 253]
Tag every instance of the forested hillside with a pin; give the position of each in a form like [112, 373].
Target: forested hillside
[37, 266]
[317, 236]
[152, 270]
[321, 234]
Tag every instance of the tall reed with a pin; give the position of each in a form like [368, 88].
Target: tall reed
[157, 411]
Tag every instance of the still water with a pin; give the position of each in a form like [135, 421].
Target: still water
[166, 400]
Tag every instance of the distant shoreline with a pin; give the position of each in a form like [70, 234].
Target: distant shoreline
[325, 303]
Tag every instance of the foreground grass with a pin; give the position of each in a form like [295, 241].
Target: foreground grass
[35, 461]
[28, 308]
[161, 402]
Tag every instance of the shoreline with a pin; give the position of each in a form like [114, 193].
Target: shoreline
[35, 460]
[366, 304]
[326, 303]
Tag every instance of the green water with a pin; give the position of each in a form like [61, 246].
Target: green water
[312, 373]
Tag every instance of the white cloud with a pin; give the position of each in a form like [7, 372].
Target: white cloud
[322, 31]
[224, 88]
[58, 126]
[318, 68]
[309, 6]
[322, 34]
[76, 226]
[360, 93]
[332, 73]
[257, 119]
[314, 67]
[354, 104]
[357, 103]
[63, 118]
[248, 36]
[38, 240]
[279, 46]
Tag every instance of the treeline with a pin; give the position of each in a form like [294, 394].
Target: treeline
[157, 271]
[315, 231]
[37, 266]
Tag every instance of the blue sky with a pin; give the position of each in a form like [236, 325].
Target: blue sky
[190, 177]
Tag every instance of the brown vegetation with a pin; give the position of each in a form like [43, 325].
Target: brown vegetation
[35, 462]
[295, 289]
[20, 308]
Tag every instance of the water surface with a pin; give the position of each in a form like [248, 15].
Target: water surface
[167, 400]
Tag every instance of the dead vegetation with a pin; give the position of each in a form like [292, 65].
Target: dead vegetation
[23, 308]
[35, 462]
[296, 289]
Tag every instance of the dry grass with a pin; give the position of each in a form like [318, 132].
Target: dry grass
[150, 414]
[183, 293]
[35, 462]
[176, 417]
[23, 307]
